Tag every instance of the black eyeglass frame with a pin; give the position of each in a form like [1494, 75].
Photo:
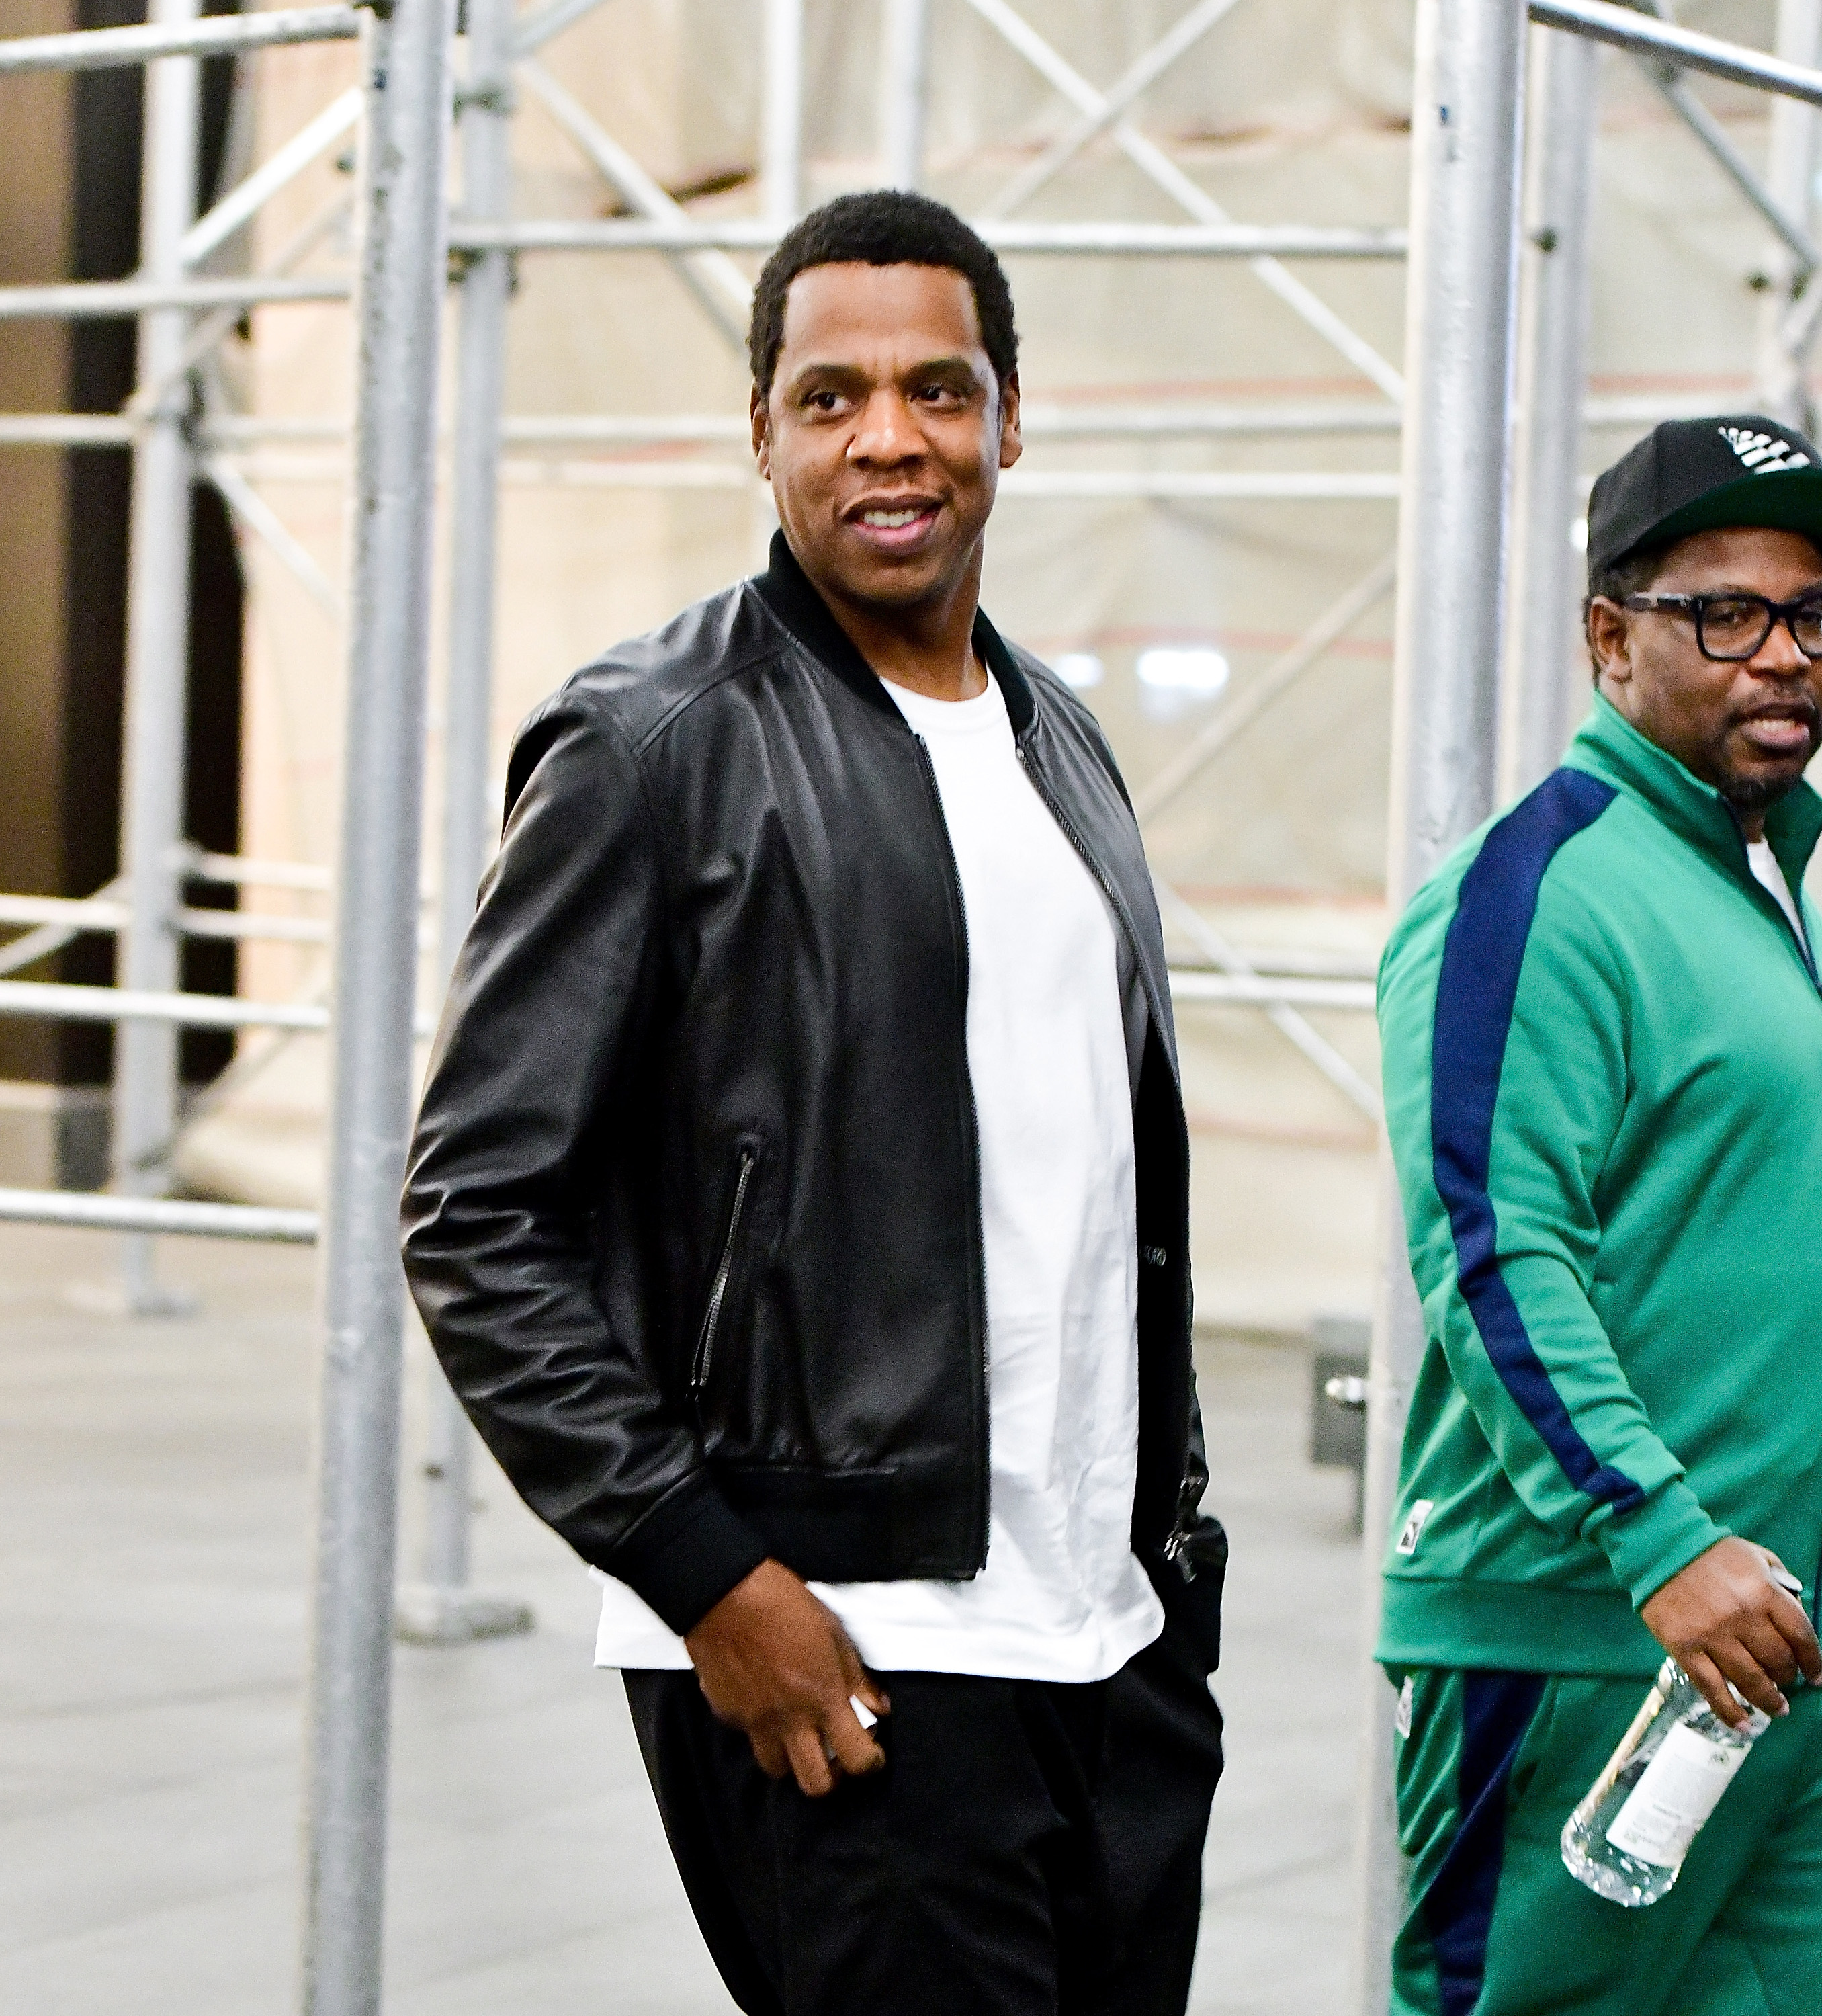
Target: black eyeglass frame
[1697, 607]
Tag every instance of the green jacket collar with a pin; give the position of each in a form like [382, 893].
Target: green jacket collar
[1608, 746]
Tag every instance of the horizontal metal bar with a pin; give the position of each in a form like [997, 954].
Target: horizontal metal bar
[1626, 29]
[86, 913]
[242, 868]
[1257, 991]
[1308, 962]
[629, 430]
[86, 300]
[1201, 241]
[1258, 486]
[630, 475]
[65, 430]
[238, 925]
[1085, 485]
[1038, 422]
[159, 1215]
[1041, 422]
[1095, 485]
[62, 1002]
[1645, 409]
[215, 35]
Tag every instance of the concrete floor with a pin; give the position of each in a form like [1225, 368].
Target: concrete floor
[153, 1498]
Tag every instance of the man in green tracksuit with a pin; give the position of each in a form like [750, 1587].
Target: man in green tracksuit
[1602, 1034]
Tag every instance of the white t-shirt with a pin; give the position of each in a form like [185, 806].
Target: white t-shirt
[1764, 863]
[1056, 1022]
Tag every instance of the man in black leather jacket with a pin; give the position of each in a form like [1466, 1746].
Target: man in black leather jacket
[805, 1108]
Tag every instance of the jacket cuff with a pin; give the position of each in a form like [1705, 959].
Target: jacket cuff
[1646, 1547]
[687, 1553]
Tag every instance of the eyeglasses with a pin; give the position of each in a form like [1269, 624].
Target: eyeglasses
[1730, 628]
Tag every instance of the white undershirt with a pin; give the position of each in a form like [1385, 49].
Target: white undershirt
[1050, 1050]
[1764, 863]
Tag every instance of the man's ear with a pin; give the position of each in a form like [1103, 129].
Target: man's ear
[762, 433]
[1609, 641]
[1011, 441]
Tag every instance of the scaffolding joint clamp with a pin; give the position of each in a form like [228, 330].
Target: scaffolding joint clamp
[498, 98]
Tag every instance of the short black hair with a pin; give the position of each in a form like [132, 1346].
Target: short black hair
[1632, 574]
[883, 228]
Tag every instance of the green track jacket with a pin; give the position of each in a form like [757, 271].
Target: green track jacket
[1602, 1048]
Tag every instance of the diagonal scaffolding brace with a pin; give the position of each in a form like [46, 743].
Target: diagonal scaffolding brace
[1155, 163]
[1126, 92]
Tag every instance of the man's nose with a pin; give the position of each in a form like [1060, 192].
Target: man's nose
[887, 432]
[1780, 656]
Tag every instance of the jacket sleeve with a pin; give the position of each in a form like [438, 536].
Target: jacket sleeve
[549, 1012]
[1502, 1033]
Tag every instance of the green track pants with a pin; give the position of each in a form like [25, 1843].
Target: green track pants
[1492, 1765]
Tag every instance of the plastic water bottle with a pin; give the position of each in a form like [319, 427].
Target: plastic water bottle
[1628, 1838]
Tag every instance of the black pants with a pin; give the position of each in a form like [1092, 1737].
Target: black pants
[1030, 1849]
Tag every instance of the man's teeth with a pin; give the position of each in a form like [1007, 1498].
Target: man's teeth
[891, 521]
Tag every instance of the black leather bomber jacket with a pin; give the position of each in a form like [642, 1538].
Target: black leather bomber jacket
[693, 1214]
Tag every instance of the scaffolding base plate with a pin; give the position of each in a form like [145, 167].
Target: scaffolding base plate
[426, 1615]
[149, 1301]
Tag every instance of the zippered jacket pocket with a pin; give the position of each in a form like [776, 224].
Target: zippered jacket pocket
[703, 1363]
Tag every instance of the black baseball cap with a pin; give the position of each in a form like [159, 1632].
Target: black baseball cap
[1697, 476]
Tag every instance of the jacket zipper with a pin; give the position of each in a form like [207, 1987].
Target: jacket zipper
[1800, 940]
[1180, 1527]
[699, 1376]
[983, 1502]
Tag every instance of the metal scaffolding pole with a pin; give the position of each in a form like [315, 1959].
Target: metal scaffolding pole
[1221, 239]
[403, 224]
[177, 34]
[1466, 123]
[443, 1609]
[145, 1096]
[1783, 387]
[1544, 689]
[98, 299]
[903, 91]
[780, 139]
[1686, 48]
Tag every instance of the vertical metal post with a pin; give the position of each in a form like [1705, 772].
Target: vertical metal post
[443, 1609]
[1544, 681]
[903, 91]
[406, 57]
[1783, 387]
[781, 171]
[1466, 124]
[145, 1099]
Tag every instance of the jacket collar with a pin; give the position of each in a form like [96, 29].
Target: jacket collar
[1608, 746]
[789, 593]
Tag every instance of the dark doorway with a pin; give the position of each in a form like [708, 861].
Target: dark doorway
[106, 127]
